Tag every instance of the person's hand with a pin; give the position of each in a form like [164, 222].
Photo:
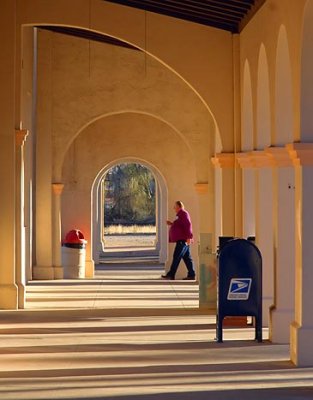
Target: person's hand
[189, 241]
[169, 223]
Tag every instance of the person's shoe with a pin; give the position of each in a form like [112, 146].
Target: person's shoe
[167, 277]
[189, 278]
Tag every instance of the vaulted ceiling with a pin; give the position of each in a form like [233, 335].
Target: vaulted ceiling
[229, 15]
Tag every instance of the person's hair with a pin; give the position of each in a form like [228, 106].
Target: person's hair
[180, 204]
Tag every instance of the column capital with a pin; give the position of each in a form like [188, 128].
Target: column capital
[57, 188]
[202, 188]
[244, 160]
[301, 154]
[261, 159]
[20, 136]
[224, 160]
[280, 156]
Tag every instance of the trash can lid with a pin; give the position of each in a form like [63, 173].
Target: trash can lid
[75, 236]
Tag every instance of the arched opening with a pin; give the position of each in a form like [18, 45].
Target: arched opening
[128, 198]
[77, 180]
[118, 235]
[263, 129]
[247, 137]
[283, 92]
[55, 134]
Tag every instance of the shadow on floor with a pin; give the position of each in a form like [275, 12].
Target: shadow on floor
[259, 394]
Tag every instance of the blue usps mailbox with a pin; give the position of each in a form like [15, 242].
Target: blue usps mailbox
[239, 284]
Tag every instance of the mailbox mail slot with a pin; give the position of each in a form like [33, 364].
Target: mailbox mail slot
[239, 284]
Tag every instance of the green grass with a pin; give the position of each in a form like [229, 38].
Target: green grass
[131, 229]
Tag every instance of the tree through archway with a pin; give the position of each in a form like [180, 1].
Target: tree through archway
[129, 205]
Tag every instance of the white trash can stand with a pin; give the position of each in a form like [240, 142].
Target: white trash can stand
[74, 255]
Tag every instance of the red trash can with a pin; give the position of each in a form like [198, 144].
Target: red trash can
[74, 255]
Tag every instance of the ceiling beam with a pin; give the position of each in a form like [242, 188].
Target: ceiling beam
[171, 5]
[230, 15]
[250, 14]
[206, 7]
[200, 19]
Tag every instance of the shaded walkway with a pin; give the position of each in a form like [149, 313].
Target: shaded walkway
[94, 354]
[131, 352]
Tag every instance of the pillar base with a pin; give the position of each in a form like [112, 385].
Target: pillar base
[162, 257]
[58, 273]
[267, 304]
[280, 321]
[97, 257]
[301, 348]
[8, 297]
[90, 269]
[43, 273]
[21, 295]
[207, 282]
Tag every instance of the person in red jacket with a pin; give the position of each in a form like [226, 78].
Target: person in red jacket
[181, 233]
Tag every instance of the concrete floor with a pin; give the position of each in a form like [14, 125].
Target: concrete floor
[114, 286]
[127, 335]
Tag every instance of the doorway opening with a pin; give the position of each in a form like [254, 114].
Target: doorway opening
[129, 205]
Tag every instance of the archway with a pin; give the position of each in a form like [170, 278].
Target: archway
[160, 248]
[263, 117]
[86, 163]
[247, 138]
[129, 204]
[196, 129]
[284, 121]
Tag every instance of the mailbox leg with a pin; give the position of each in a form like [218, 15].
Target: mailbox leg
[258, 330]
[219, 329]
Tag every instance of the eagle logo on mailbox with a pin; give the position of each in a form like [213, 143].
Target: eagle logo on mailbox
[239, 289]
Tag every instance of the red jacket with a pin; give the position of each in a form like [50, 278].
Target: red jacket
[181, 229]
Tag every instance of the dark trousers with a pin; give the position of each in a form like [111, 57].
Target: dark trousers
[182, 251]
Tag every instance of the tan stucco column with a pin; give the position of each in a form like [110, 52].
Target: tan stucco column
[205, 217]
[301, 348]
[8, 287]
[9, 72]
[257, 169]
[98, 220]
[248, 193]
[284, 237]
[207, 259]
[264, 230]
[225, 219]
[57, 189]
[20, 272]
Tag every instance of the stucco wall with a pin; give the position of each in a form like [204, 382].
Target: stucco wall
[136, 136]
[89, 80]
